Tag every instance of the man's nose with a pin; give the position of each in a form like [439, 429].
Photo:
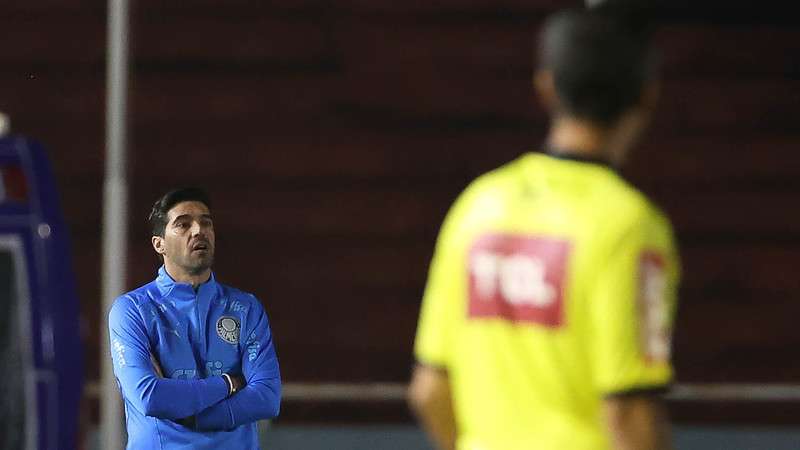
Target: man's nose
[196, 228]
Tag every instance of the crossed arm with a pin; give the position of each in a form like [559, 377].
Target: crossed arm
[207, 400]
[260, 398]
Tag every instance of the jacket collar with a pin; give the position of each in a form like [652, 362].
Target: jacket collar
[183, 291]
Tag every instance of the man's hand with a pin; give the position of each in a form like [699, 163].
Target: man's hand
[238, 382]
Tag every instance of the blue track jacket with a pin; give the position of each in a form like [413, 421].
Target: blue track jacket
[196, 336]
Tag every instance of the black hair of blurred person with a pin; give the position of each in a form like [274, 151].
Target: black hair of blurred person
[158, 215]
[600, 60]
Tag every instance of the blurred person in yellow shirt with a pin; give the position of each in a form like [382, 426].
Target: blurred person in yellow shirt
[547, 317]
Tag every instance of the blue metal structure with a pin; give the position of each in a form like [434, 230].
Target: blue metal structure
[40, 349]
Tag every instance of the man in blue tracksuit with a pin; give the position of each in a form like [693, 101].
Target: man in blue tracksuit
[194, 358]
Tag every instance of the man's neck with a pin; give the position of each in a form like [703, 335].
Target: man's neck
[578, 138]
[182, 276]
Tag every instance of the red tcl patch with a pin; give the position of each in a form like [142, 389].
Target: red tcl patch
[518, 278]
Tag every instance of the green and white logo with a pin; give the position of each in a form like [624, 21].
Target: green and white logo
[228, 329]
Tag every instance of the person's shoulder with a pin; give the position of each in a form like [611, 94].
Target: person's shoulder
[142, 294]
[129, 305]
[134, 299]
[498, 179]
[627, 205]
[490, 189]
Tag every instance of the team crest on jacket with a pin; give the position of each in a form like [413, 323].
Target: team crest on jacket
[228, 329]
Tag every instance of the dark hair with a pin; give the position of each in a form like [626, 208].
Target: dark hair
[600, 60]
[158, 215]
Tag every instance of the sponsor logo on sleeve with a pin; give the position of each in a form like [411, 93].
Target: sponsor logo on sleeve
[119, 351]
[228, 329]
[519, 278]
[253, 347]
[654, 328]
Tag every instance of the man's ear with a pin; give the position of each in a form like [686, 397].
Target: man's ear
[545, 86]
[158, 244]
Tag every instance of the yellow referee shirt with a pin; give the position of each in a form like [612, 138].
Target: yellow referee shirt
[552, 285]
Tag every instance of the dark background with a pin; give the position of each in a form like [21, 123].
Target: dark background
[333, 135]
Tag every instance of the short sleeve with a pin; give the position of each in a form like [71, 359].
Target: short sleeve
[633, 307]
[443, 297]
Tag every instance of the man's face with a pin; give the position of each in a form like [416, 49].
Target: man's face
[188, 241]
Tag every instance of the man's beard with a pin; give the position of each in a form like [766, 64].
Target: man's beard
[196, 266]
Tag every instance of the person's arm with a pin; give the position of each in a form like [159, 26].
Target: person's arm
[430, 400]
[637, 422]
[140, 384]
[429, 394]
[633, 310]
[261, 397]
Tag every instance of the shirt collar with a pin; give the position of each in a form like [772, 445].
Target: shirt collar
[177, 290]
[572, 155]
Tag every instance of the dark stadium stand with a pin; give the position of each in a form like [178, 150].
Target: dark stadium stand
[338, 132]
